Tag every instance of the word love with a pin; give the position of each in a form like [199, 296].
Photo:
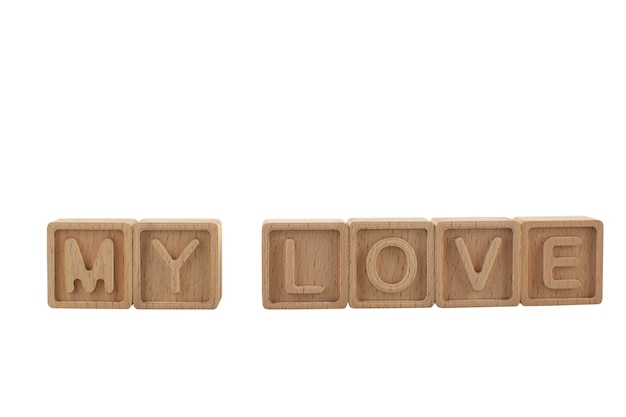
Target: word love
[455, 262]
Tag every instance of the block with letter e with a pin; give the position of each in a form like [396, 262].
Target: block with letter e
[562, 260]
[90, 263]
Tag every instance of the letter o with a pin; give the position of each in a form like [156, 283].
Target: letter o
[411, 270]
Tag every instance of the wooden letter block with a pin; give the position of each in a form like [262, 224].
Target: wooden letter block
[90, 263]
[477, 262]
[305, 264]
[177, 264]
[562, 260]
[391, 263]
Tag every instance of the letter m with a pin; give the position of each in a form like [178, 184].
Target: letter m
[102, 267]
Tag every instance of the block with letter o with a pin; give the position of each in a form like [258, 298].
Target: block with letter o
[391, 263]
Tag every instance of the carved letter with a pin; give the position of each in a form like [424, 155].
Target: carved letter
[372, 271]
[174, 265]
[550, 262]
[478, 279]
[290, 273]
[102, 267]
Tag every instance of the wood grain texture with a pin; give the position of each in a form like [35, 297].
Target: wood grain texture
[90, 263]
[177, 264]
[305, 264]
[562, 260]
[391, 263]
[478, 262]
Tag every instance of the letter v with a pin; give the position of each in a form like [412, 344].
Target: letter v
[478, 278]
[175, 264]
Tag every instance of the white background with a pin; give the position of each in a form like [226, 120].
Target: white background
[249, 110]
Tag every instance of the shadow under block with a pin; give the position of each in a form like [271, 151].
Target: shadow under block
[90, 263]
[177, 264]
[478, 262]
[562, 260]
[305, 264]
[391, 263]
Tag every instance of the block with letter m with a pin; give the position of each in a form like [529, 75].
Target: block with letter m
[90, 263]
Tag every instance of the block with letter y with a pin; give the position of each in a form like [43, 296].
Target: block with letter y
[177, 264]
[477, 262]
[90, 263]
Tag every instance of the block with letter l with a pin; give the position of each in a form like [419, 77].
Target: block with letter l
[305, 264]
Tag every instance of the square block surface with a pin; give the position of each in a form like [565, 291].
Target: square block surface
[478, 262]
[90, 263]
[391, 263]
[177, 264]
[562, 258]
[305, 264]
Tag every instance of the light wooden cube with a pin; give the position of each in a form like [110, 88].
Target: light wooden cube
[391, 263]
[477, 262]
[562, 260]
[177, 264]
[90, 263]
[305, 264]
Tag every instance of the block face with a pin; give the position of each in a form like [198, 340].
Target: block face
[317, 264]
[391, 263]
[305, 264]
[90, 263]
[562, 261]
[177, 264]
[478, 262]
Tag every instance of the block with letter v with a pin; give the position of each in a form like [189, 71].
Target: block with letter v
[477, 262]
